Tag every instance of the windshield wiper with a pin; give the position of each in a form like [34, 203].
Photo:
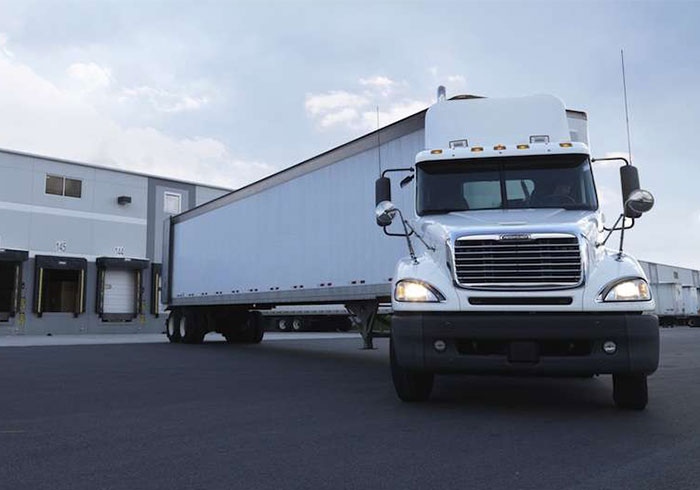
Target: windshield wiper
[443, 211]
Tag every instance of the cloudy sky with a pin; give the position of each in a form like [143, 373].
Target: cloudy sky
[228, 92]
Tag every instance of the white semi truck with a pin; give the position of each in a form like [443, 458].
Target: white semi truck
[499, 264]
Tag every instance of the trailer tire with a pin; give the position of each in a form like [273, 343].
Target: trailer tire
[630, 391]
[192, 329]
[694, 321]
[172, 327]
[283, 324]
[410, 386]
[298, 324]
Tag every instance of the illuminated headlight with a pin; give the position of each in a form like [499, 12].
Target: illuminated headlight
[413, 291]
[627, 290]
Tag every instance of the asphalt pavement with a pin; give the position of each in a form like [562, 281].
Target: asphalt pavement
[320, 413]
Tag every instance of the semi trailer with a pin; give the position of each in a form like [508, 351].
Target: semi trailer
[491, 249]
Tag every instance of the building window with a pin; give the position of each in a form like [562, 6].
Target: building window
[172, 203]
[63, 186]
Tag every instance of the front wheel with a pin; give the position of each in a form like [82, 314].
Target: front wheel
[410, 386]
[630, 391]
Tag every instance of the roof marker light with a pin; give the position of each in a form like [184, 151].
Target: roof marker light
[499, 147]
[523, 147]
[565, 145]
[435, 152]
[477, 148]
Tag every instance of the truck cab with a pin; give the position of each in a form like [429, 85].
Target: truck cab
[507, 270]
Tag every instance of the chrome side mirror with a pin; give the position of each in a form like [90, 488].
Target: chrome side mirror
[639, 202]
[385, 212]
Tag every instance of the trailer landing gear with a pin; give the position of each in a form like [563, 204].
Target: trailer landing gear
[365, 312]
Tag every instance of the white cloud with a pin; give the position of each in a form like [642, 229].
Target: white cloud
[317, 104]
[41, 117]
[456, 80]
[164, 101]
[3, 46]
[377, 81]
[357, 111]
[90, 75]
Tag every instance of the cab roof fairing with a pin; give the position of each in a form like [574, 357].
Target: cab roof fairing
[487, 122]
[534, 149]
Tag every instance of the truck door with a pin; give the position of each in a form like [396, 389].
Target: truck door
[119, 288]
[59, 284]
[11, 265]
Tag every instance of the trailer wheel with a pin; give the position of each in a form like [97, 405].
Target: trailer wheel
[191, 328]
[172, 326]
[255, 328]
[283, 324]
[297, 324]
[694, 321]
[630, 391]
[410, 386]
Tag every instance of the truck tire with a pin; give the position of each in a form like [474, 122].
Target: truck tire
[298, 324]
[172, 326]
[694, 321]
[410, 386]
[255, 328]
[192, 327]
[630, 391]
[283, 324]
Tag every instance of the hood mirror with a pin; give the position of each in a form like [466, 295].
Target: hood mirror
[638, 202]
[385, 212]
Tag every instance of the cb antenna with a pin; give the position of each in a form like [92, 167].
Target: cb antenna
[627, 114]
[379, 145]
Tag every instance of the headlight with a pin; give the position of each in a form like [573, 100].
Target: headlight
[410, 290]
[627, 290]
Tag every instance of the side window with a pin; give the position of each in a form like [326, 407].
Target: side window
[54, 185]
[519, 191]
[63, 186]
[73, 187]
[483, 194]
[172, 203]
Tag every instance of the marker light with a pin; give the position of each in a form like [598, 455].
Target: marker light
[523, 147]
[459, 144]
[499, 147]
[539, 138]
[477, 148]
[435, 152]
[413, 291]
[627, 290]
[565, 145]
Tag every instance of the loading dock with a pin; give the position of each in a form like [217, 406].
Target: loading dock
[59, 284]
[11, 265]
[120, 288]
[157, 306]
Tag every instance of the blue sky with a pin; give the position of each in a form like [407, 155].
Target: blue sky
[227, 92]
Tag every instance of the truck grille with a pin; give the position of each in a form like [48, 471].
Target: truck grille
[518, 261]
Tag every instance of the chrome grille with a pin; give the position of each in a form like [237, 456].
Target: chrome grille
[518, 261]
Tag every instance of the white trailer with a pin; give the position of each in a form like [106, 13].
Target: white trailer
[675, 290]
[500, 265]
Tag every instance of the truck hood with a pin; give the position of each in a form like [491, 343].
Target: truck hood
[499, 221]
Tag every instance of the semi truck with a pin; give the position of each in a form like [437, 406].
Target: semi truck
[491, 249]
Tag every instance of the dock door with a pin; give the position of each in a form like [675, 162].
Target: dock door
[11, 262]
[59, 284]
[119, 288]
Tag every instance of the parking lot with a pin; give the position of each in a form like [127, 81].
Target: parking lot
[314, 412]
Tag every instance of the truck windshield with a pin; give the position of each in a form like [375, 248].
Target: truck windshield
[556, 181]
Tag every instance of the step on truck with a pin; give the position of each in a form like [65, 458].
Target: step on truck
[491, 249]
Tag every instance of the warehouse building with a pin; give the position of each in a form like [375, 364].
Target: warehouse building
[81, 245]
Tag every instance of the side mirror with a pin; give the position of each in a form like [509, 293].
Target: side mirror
[638, 202]
[382, 190]
[385, 212]
[629, 178]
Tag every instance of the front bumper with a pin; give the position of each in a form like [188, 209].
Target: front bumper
[526, 343]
